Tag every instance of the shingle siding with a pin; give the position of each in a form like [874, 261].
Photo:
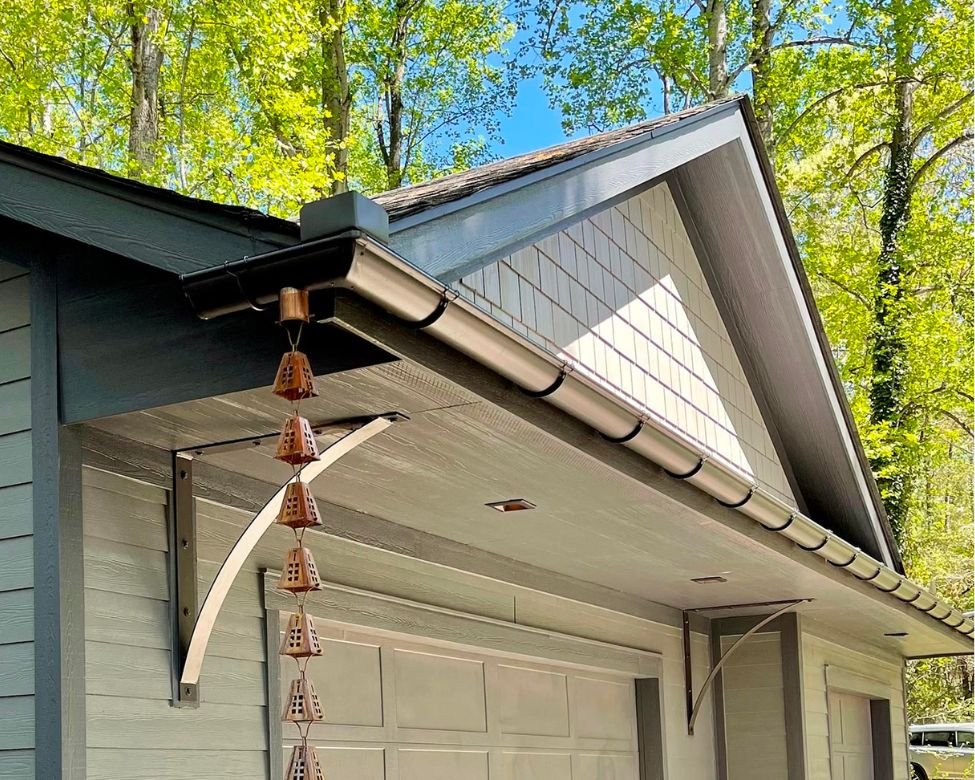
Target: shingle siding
[16, 529]
[622, 295]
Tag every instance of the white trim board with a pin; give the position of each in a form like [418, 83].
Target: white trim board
[845, 680]
[449, 628]
[483, 227]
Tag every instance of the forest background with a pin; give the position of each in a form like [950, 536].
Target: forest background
[865, 107]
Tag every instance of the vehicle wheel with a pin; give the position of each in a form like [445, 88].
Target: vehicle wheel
[918, 773]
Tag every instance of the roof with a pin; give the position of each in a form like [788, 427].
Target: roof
[174, 232]
[406, 201]
[710, 154]
[96, 178]
[473, 214]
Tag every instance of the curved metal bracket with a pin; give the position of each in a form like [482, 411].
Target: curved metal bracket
[245, 544]
[696, 709]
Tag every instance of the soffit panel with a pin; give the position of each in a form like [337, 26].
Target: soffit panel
[435, 472]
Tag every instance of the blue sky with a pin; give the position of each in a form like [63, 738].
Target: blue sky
[532, 125]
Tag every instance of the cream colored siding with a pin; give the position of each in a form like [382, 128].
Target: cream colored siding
[754, 708]
[131, 726]
[623, 296]
[16, 529]
[880, 672]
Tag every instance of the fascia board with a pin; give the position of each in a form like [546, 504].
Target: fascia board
[453, 239]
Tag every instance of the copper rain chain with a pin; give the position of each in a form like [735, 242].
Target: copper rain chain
[297, 447]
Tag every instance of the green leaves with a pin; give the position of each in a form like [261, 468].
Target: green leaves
[251, 109]
[888, 251]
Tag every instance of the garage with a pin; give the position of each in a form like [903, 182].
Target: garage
[850, 740]
[402, 707]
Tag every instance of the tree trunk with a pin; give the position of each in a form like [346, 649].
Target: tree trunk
[393, 153]
[888, 347]
[145, 67]
[762, 66]
[336, 94]
[717, 50]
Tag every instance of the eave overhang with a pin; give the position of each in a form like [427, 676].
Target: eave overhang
[375, 273]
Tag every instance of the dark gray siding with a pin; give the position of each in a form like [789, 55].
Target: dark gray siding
[16, 529]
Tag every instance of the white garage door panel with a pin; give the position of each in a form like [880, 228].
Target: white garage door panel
[438, 692]
[442, 765]
[350, 682]
[535, 766]
[603, 767]
[851, 747]
[353, 763]
[403, 710]
[603, 709]
[533, 702]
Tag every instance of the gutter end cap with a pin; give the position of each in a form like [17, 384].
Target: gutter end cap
[343, 212]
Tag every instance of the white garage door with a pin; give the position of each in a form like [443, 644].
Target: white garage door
[407, 710]
[851, 747]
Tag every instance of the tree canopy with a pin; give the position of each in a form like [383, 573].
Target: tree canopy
[257, 103]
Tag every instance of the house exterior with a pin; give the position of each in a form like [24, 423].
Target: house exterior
[615, 334]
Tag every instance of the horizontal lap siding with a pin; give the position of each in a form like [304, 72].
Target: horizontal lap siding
[132, 728]
[817, 653]
[16, 529]
[754, 708]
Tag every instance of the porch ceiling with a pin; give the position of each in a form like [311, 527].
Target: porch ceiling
[593, 522]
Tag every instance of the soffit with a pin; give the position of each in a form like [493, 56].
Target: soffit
[435, 472]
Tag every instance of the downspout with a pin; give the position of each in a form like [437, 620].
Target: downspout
[354, 260]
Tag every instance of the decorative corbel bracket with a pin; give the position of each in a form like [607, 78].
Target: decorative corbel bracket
[193, 629]
[694, 704]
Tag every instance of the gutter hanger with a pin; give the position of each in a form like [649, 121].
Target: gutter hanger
[355, 261]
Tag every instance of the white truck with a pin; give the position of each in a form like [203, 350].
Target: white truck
[943, 751]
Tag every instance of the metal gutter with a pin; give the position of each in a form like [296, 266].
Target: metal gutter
[370, 269]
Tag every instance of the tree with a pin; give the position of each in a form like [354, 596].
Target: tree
[876, 165]
[260, 104]
[607, 64]
[145, 63]
[337, 97]
[891, 171]
[430, 77]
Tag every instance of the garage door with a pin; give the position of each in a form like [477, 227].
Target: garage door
[409, 710]
[851, 747]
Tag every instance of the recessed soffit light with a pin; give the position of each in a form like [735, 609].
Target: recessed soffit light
[896, 634]
[713, 579]
[511, 505]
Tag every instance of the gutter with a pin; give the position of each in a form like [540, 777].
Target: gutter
[353, 260]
